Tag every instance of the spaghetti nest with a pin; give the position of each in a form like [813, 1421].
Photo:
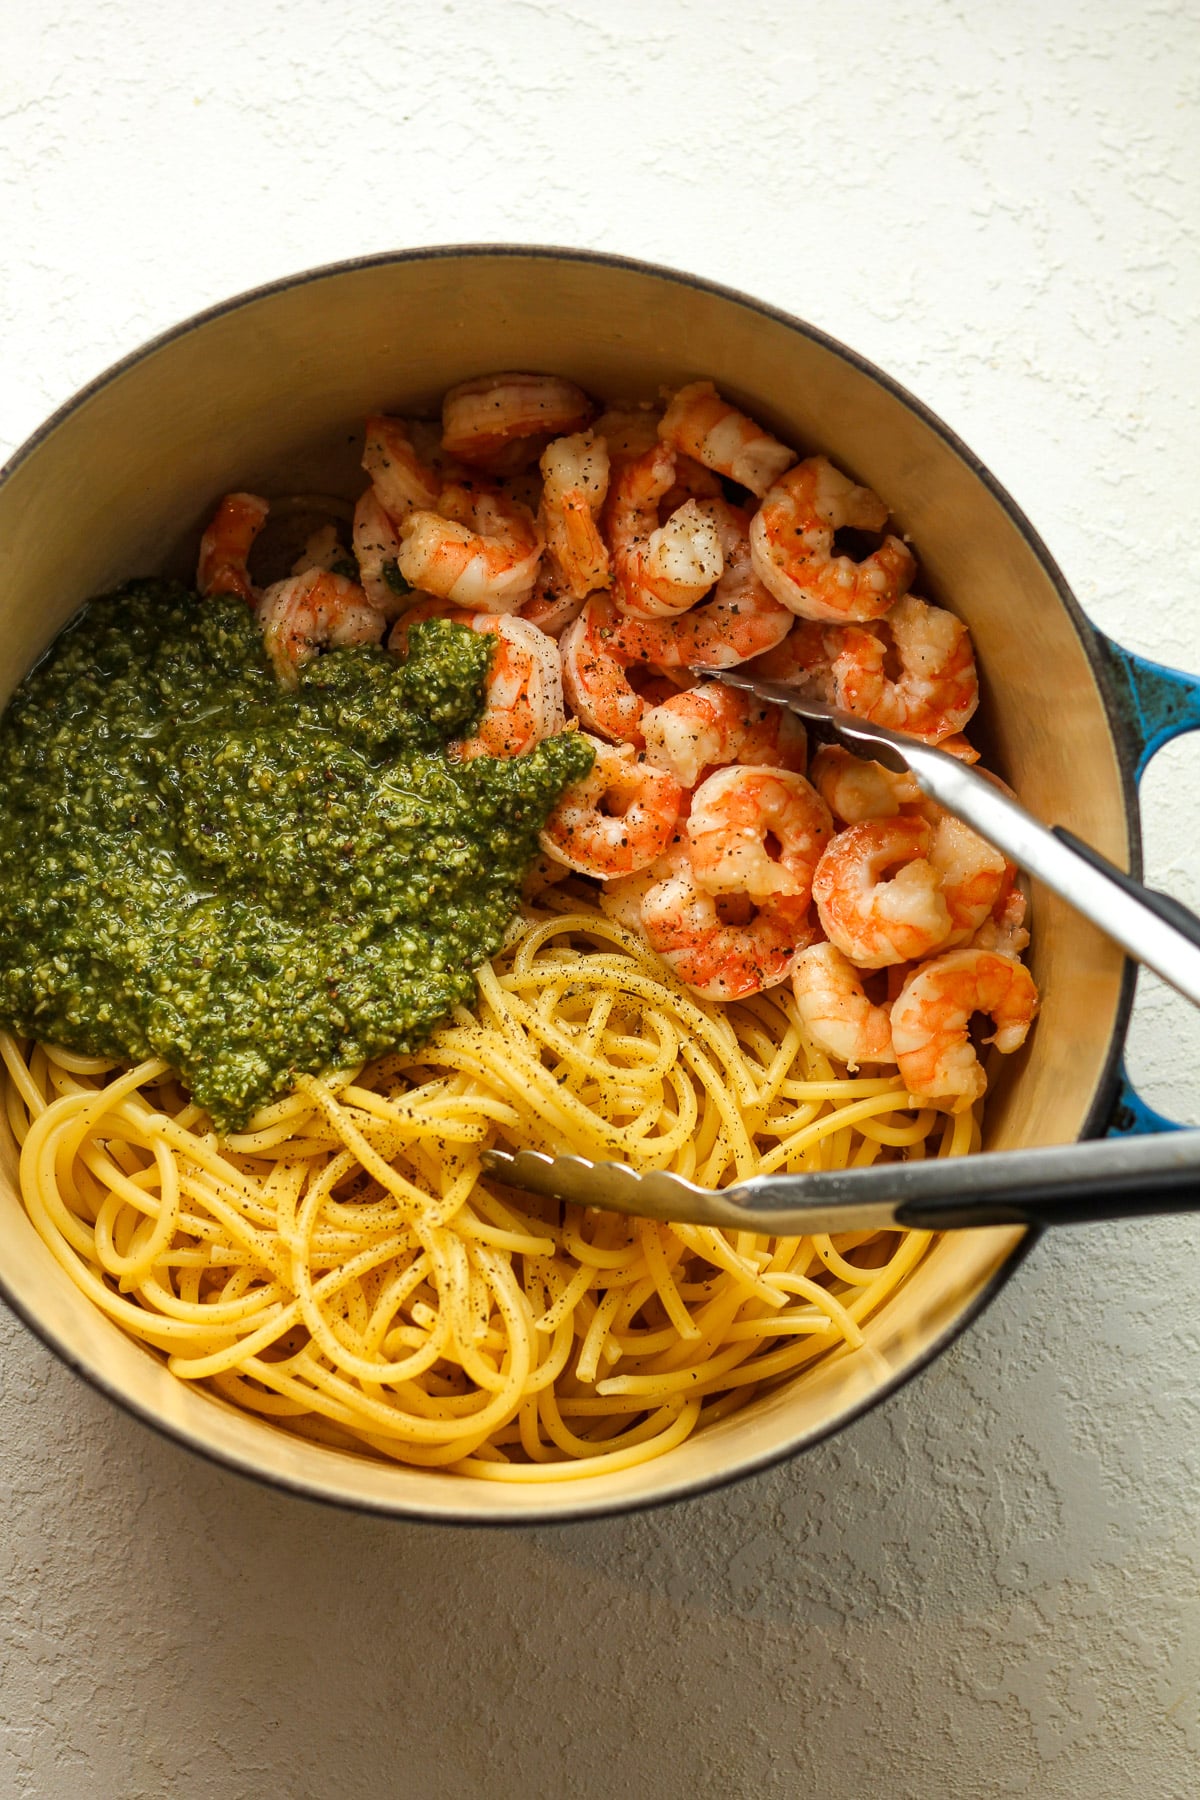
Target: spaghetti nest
[344, 1268]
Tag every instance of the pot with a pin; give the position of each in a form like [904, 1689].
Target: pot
[267, 392]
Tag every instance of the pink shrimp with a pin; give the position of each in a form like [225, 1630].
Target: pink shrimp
[835, 1010]
[478, 550]
[855, 789]
[758, 832]
[722, 947]
[872, 919]
[402, 481]
[226, 545]
[523, 700]
[740, 621]
[377, 546]
[551, 606]
[622, 899]
[594, 675]
[500, 422]
[700, 423]
[710, 725]
[1004, 929]
[973, 875]
[933, 694]
[541, 877]
[791, 542]
[302, 614]
[618, 819]
[628, 431]
[936, 690]
[575, 473]
[322, 549]
[692, 482]
[803, 658]
[932, 1016]
[659, 570]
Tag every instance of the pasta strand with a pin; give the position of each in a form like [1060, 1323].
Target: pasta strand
[345, 1269]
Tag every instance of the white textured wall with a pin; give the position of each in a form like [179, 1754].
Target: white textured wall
[988, 1587]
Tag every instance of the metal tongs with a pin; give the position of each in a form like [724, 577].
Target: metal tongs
[1063, 1184]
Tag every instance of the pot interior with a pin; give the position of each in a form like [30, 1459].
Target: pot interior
[268, 394]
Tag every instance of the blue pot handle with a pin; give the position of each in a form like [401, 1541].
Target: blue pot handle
[1154, 705]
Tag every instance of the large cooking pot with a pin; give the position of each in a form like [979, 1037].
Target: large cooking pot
[267, 392]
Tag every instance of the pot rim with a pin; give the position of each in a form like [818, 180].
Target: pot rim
[554, 1512]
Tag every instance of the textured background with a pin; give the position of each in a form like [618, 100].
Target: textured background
[989, 1586]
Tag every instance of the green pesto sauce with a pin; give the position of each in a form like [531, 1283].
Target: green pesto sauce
[252, 883]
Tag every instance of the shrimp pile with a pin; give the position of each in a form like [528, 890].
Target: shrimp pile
[619, 561]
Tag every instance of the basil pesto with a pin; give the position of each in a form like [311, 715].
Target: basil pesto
[252, 883]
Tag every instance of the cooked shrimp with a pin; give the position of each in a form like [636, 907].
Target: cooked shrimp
[628, 431]
[479, 550]
[300, 615]
[703, 425]
[551, 606]
[874, 919]
[740, 621]
[523, 699]
[618, 819]
[803, 658]
[657, 686]
[323, 549]
[791, 541]
[542, 875]
[973, 874]
[403, 481]
[758, 832]
[659, 570]
[226, 545]
[1004, 929]
[937, 688]
[931, 1019]
[836, 1012]
[855, 789]
[622, 900]
[594, 674]
[497, 422]
[710, 725]
[932, 697]
[377, 553]
[692, 482]
[575, 472]
[719, 957]
[768, 736]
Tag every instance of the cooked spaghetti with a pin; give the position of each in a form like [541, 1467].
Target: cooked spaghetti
[344, 1268]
